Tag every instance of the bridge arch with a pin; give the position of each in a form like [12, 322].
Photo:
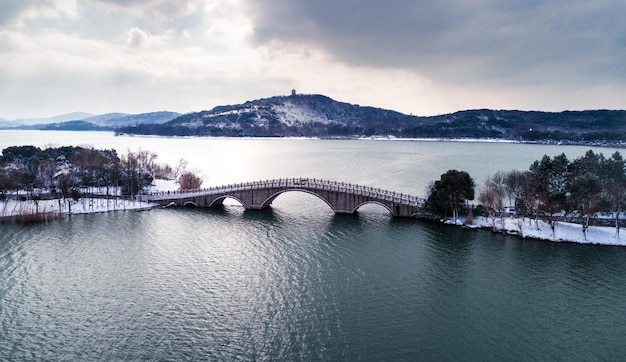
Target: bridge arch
[271, 199]
[190, 203]
[220, 201]
[386, 207]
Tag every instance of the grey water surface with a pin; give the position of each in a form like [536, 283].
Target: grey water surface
[296, 282]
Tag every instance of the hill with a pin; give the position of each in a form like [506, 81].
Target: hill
[283, 116]
[575, 127]
[6, 123]
[115, 120]
[55, 119]
[321, 116]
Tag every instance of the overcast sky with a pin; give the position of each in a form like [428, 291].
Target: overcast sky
[415, 56]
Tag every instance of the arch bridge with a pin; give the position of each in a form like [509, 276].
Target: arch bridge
[343, 198]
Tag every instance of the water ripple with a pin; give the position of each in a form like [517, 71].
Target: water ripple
[295, 283]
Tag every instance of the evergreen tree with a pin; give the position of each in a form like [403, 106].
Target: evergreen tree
[450, 192]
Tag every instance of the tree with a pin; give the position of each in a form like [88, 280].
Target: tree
[514, 187]
[548, 179]
[614, 186]
[448, 194]
[6, 183]
[492, 195]
[137, 172]
[45, 174]
[181, 167]
[584, 196]
[20, 153]
[584, 187]
[189, 181]
[68, 182]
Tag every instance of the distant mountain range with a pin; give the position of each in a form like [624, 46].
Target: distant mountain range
[321, 116]
[88, 122]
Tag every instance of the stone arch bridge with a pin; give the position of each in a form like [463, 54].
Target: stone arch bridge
[343, 198]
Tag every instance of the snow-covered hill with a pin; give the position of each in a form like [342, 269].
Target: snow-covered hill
[295, 115]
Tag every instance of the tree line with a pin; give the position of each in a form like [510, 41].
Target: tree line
[551, 189]
[71, 171]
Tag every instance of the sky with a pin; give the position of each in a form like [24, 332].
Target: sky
[414, 56]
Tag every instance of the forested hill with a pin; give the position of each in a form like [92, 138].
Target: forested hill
[320, 116]
[578, 127]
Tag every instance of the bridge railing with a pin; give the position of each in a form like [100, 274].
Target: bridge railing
[303, 183]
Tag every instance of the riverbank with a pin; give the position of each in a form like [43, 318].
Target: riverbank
[541, 230]
[47, 210]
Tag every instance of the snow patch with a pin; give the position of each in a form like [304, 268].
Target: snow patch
[563, 232]
[61, 207]
[292, 115]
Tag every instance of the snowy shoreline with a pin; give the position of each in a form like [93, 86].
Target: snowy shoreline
[525, 228]
[12, 209]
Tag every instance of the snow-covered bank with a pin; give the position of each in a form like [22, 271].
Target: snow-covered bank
[60, 207]
[564, 231]
[51, 209]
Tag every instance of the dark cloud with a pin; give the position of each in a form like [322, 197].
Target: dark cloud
[525, 41]
[419, 56]
[10, 9]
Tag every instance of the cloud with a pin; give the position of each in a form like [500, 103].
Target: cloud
[153, 15]
[18, 12]
[109, 59]
[10, 9]
[415, 56]
[136, 37]
[481, 40]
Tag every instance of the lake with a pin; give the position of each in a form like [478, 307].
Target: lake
[297, 282]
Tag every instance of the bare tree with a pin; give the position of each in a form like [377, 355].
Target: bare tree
[492, 196]
[180, 168]
[189, 180]
[584, 194]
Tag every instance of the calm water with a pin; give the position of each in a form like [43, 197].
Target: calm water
[296, 282]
